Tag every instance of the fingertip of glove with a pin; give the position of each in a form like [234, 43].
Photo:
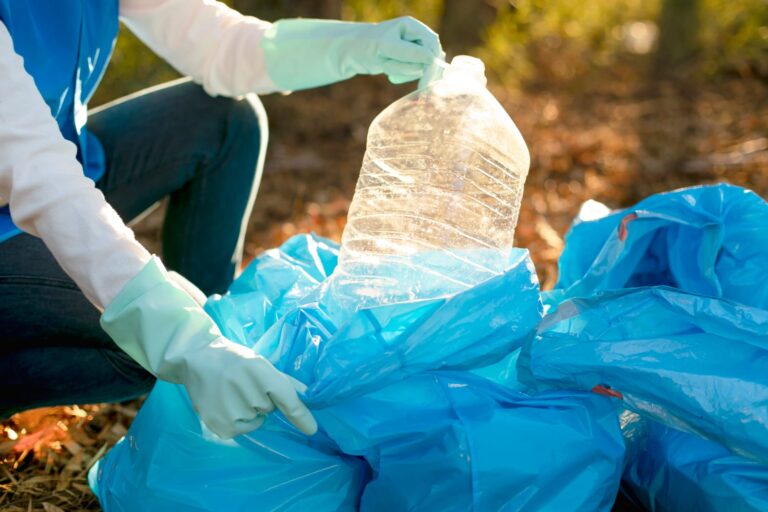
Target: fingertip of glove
[306, 424]
[300, 417]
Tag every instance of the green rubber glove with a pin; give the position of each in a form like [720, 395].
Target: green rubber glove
[305, 53]
[165, 330]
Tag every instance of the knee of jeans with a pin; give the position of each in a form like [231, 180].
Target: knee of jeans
[248, 121]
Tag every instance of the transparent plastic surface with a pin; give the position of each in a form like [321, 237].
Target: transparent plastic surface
[438, 195]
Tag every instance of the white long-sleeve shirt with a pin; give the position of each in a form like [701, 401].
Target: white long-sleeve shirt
[40, 177]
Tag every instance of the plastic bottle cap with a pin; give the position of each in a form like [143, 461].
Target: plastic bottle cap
[466, 68]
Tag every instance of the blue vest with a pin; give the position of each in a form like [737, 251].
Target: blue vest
[66, 45]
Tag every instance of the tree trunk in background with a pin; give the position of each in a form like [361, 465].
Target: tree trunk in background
[272, 10]
[678, 29]
[464, 23]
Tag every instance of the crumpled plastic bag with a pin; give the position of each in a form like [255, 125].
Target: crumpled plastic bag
[672, 471]
[664, 305]
[342, 356]
[410, 398]
[167, 461]
[694, 363]
[709, 241]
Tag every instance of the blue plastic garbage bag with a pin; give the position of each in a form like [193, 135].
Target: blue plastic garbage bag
[378, 345]
[673, 471]
[166, 462]
[462, 443]
[404, 424]
[663, 305]
[708, 241]
[692, 362]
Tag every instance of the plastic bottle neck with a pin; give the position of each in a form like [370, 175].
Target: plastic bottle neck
[466, 70]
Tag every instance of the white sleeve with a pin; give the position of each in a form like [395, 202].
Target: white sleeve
[217, 46]
[49, 197]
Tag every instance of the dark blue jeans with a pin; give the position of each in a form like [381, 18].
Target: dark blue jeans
[206, 154]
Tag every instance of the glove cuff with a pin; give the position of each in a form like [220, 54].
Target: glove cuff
[157, 323]
[306, 53]
[152, 274]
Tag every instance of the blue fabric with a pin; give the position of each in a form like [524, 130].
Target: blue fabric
[66, 45]
[404, 423]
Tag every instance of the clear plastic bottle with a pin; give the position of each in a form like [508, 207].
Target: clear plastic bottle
[438, 195]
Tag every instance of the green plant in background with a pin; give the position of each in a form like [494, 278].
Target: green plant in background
[734, 37]
[559, 40]
[544, 41]
[428, 11]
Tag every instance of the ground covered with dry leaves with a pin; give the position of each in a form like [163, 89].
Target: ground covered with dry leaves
[612, 138]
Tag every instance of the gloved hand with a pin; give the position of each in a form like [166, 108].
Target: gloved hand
[165, 330]
[305, 53]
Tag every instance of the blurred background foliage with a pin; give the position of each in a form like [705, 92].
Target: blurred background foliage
[532, 42]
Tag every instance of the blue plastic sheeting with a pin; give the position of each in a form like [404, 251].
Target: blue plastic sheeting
[694, 363]
[282, 306]
[689, 351]
[167, 463]
[673, 471]
[709, 241]
[405, 424]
